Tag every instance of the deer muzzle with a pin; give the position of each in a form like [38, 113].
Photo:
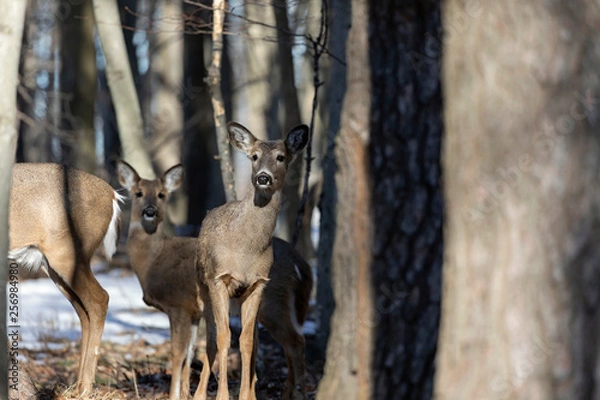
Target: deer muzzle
[149, 213]
[264, 180]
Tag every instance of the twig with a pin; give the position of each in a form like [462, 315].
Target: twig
[319, 49]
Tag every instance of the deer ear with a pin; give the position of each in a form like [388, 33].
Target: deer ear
[173, 177]
[240, 137]
[128, 177]
[297, 139]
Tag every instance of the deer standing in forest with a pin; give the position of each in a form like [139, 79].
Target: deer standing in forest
[58, 217]
[235, 254]
[166, 269]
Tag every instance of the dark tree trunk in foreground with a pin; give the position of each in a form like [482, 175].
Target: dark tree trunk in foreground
[521, 167]
[406, 130]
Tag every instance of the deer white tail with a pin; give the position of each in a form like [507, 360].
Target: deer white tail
[112, 233]
[29, 257]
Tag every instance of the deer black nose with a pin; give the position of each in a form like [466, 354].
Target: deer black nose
[263, 180]
[149, 212]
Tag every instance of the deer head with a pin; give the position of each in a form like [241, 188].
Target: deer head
[149, 197]
[270, 159]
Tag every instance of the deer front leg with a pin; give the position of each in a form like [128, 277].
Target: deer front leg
[219, 299]
[249, 342]
[180, 323]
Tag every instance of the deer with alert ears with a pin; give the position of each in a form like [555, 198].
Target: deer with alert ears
[164, 266]
[235, 253]
[166, 269]
[58, 217]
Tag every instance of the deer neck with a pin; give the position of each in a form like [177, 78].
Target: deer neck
[143, 248]
[263, 206]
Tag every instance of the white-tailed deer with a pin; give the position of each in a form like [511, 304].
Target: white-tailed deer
[166, 269]
[164, 266]
[235, 253]
[58, 217]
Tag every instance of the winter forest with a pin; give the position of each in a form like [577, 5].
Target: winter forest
[432, 168]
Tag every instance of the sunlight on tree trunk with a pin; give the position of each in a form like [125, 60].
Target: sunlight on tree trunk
[214, 83]
[12, 21]
[122, 87]
[347, 368]
[521, 158]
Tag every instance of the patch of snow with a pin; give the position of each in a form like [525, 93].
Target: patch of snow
[46, 316]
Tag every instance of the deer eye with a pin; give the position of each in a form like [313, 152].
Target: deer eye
[161, 195]
[254, 157]
[280, 158]
[139, 194]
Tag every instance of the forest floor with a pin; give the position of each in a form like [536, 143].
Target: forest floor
[128, 372]
[134, 353]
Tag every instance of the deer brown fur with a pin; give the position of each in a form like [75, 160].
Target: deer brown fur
[235, 252]
[166, 269]
[58, 217]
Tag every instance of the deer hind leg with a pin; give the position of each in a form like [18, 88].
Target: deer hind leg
[211, 349]
[189, 356]
[249, 342]
[282, 325]
[90, 301]
[180, 322]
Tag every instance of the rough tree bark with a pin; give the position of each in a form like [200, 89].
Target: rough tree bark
[406, 130]
[347, 368]
[122, 87]
[521, 310]
[12, 21]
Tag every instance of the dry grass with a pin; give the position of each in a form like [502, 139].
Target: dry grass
[139, 370]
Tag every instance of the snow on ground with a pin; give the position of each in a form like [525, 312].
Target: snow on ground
[46, 316]
[47, 319]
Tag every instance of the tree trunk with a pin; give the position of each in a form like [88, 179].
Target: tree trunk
[39, 100]
[336, 87]
[205, 191]
[521, 311]
[12, 21]
[122, 87]
[406, 130]
[214, 84]
[288, 97]
[347, 368]
[253, 61]
[78, 86]
[166, 117]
